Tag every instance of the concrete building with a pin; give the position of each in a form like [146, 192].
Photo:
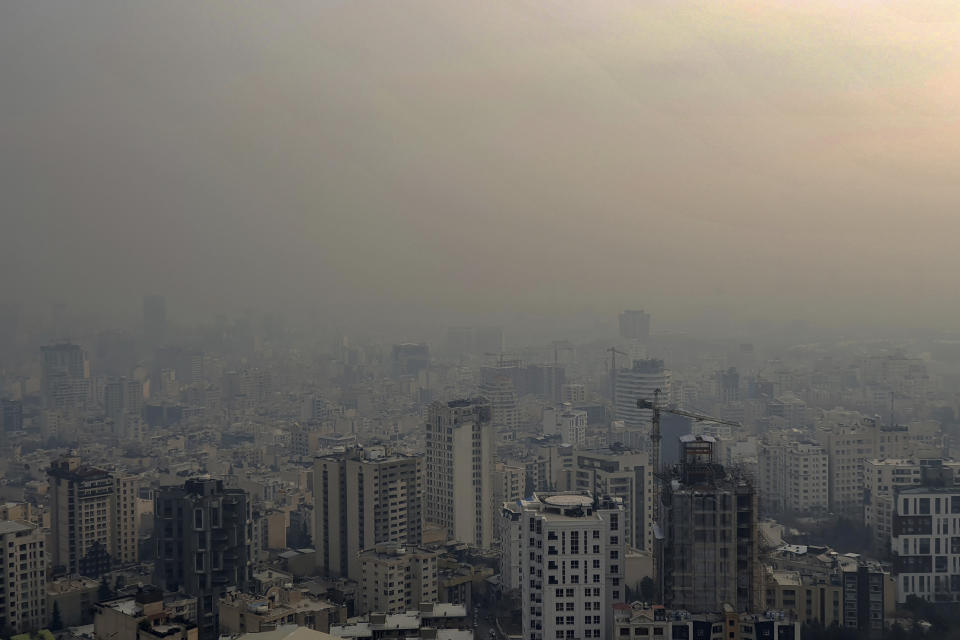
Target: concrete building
[885, 479]
[509, 482]
[710, 547]
[362, 498]
[460, 454]
[93, 517]
[429, 622]
[11, 415]
[395, 578]
[817, 584]
[141, 617]
[565, 421]
[23, 596]
[806, 598]
[245, 613]
[65, 377]
[925, 543]
[655, 622]
[409, 359]
[74, 598]
[793, 474]
[83, 510]
[638, 382]
[504, 407]
[866, 586]
[573, 393]
[288, 632]
[850, 446]
[202, 535]
[126, 539]
[623, 474]
[568, 552]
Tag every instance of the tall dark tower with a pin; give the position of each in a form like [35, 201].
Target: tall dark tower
[202, 535]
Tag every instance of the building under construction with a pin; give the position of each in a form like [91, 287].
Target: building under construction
[710, 547]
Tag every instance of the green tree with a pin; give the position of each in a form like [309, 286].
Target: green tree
[56, 621]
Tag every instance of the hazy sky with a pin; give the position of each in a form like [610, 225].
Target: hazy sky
[770, 159]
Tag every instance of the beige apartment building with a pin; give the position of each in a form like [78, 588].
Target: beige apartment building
[394, 579]
[362, 498]
[850, 446]
[93, 517]
[793, 473]
[23, 596]
[460, 450]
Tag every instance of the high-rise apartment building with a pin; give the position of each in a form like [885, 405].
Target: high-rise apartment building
[11, 415]
[23, 594]
[640, 382]
[202, 536]
[568, 555]
[504, 407]
[65, 377]
[793, 474]
[82, 517]
[409, 358]
[569, 423]
[850, 446]
[509, 483]
[710, 547]
[93, 517]
[362, 498]
[395, 579]
[460, 450]
[573, 393]
[125, 544]
[635, 325]
[622, 474]
[885, 479]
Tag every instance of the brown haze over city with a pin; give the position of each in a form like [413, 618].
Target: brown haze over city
[434, 158]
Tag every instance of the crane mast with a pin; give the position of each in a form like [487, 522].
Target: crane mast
[658, 475]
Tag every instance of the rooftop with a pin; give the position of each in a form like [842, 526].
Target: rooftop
[13, 526]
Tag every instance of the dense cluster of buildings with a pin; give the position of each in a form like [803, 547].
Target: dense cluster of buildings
[230, 487]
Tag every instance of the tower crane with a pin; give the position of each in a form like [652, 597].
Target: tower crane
[655, 437]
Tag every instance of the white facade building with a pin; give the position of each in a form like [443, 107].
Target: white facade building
[567, 552]
[885, 479]
[793, 474]
[925, 543]
[636, 383]
[460, 449]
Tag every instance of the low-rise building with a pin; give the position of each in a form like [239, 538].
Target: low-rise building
[438, 621]
[141, 617]
[816, 584]
[245, 613]
[73, 598]
[653, 623]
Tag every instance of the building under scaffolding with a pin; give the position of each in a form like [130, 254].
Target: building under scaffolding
[710, 546]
